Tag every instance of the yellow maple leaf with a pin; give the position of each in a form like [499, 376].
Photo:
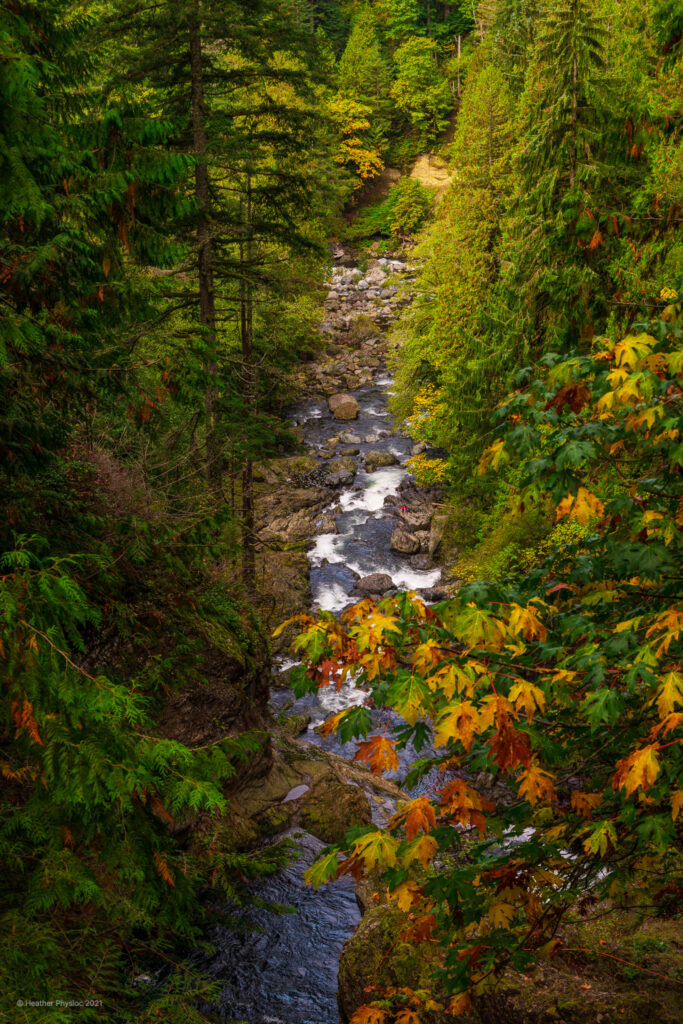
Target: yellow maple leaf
[676, 803]
[526, 695]
[536, 784]
[637, 771]
[669, 694]
[527, 622]
[423, 849]
[493, 457]
[585, 803]
[369, 1015]
[376, 850]
[500, 914]
[584, 506]
[459, 1004]
[457, 722]
[406, 895]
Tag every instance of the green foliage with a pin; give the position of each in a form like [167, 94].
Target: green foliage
[420, 93]
[401, 214]
[563, 681]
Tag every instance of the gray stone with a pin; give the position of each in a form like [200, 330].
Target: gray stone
[348, 437]
[376, 460]
[343, 406]
[295, 793]
[417, 449]
[350, 451]
[377, 583]
[326, 524]
[404, 543]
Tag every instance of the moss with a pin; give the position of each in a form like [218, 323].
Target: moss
[331, 808]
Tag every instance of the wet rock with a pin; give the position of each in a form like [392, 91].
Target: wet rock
[422, 562]
[331, 807]
[417, 518]
[376, 583]
[326, 524]
[423, 537]
[417, 449]
[375, 954]
[348, 437]
[350, 451]
[344, 465]
[375, 460]
[404, 543]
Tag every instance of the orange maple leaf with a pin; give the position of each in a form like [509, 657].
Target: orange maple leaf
[379, 752]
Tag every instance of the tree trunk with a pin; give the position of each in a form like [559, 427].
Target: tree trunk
[248, 395]
[207, 302]
[575, 109]
[459, 79]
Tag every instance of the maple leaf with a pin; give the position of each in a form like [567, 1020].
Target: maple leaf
[574, 395]
[637, 771]
[421, 930]
[633, 348]
[376, 849]
[527, 696]
[418, 816]
[510, 747]
[423, 849]
[460, 1004]
[457, 722]
[322, 870]
[585, 803]
[406, 894]
[583, 507]
[332, 724]
[369, 1015]
[676, 803]
[527, 622]
[670, 693]
[407, 1017]
[461, 802]
[501, 914]
[603, 836]
[379, 752]
[537, 784]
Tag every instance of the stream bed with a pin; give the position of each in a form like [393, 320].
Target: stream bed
[282, 969]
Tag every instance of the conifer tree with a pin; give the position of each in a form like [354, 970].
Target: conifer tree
[365, 76]
[450, 367]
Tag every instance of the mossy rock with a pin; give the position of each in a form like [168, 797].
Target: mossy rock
[331, 807]
[294, 725]
[274, 820]
[376, 955]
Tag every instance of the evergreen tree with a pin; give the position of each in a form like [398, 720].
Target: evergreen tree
[450, 368]
[365, 76]
[250, 125]
[421, 94]
[91, 871]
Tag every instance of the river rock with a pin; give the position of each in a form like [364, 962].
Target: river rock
[331, 807]
[404, 543]
[350, 451]
[326, 524]
[417, 449]
[341, 472]
[348, 437]
[375, 460]
[377, 583]
[343, 406]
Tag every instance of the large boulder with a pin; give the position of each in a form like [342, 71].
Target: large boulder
[376, 583]
[404, 543]
[343, 406]
[376, 460]
[331, 807]
[342, 471]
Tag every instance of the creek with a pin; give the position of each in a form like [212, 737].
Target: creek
[282, 968]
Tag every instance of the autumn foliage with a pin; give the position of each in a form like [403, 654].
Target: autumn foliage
[564, 685]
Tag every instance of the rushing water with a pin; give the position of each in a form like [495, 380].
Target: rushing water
[282, 969]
